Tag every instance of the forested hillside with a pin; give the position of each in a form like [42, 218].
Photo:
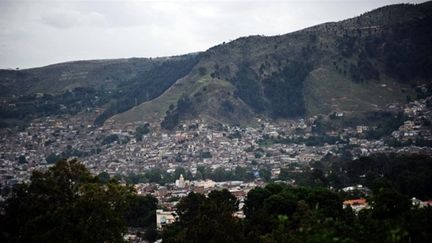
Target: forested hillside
[69, 88]
[356, 65]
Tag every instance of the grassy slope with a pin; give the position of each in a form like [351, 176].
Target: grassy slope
[155, 109]
[206, 92]
[327, 90]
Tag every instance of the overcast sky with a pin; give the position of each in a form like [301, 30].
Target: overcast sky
[36, 33]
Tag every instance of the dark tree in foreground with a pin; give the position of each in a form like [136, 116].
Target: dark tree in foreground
[280, 213]
[206, 219]
[68, 204]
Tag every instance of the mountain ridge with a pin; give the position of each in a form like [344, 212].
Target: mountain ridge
[353, 76]
[354, 65]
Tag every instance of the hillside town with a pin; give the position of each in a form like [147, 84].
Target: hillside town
[216, 122]
[119, 150]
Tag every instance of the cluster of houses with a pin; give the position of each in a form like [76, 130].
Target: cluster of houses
[416, 126]
[117, 150]
[195, 144]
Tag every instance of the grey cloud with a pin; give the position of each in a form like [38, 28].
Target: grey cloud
[71, 18]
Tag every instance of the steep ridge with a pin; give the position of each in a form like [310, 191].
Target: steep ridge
[67, 88]
[356, 65]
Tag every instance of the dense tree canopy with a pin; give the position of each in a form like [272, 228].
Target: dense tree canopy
[280, 213]
[175, 113]
[141, 131]
[285, 90]
[206, 219]
[409, 174]
[68, 204]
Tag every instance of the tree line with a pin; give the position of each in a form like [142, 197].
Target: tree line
[67, 203]
[281, 213]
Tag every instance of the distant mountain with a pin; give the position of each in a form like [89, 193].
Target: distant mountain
[101, 74]
[360, 64]
[113, 85]
[356, 65]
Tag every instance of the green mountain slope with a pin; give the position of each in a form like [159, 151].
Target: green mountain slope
[360, 64]
[68, 88]
[56, 78]
[356, 65]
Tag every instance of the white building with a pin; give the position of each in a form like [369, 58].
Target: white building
[164, 218]
[180, 183]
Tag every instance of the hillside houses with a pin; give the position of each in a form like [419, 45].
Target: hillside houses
[115, 149]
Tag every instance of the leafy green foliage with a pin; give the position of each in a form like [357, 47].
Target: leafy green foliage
[171, 120]
[52, 158]
[202, 219]
[110, 139]
[162, 177]
[407, 52]
[347, 45]
[235, 134]
[33, 106]
[206, 155]
[220, 174]
[284, 90]
[386, 125]
[281, 94]
[173, 115]
[248, 88]
[410, 174]
[104, 177]
[156, 175]
[72, 152]
[364, 70]
[141, 131]
[265, 174]
[388, 202]
[280, 213]
[141, 211]
[67, 204]
[318, 140]
[22, 159]
[380, 123]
